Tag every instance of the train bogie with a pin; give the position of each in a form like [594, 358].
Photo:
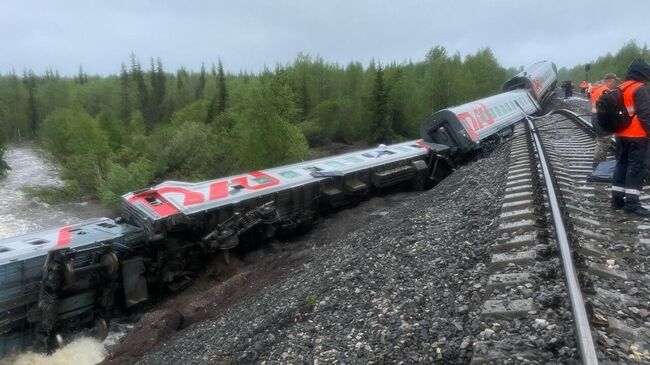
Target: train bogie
[54, 280]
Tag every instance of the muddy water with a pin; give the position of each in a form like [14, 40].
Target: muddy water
[20, 214]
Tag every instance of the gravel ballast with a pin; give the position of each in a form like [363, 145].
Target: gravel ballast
[406, 288]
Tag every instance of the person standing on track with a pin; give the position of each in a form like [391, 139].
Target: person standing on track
[583, 87]
[632, 142]
[603, 138]
[566, 86]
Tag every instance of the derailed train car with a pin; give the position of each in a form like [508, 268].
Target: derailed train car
[63, 280]
[466, 127]
[539, 79]
[56, 281]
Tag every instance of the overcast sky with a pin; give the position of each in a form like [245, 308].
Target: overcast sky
[247, 35]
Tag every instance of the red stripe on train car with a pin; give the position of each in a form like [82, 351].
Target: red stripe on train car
[189, 197]
[65, 237]
[164, 209]
[468, 121]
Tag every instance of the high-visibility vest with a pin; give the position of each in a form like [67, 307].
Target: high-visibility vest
[595, 92]
[635, 129]
[583, 85]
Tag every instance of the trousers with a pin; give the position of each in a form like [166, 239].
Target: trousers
[603, 142]
[630, 171]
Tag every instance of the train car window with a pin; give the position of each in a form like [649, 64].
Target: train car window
[78, 231]
[106, 225]
[36, 241]
[151, 199]
[260, 180]
[403, 149]
[289, 174]
[492, 113]
[4, 249]
[508, 107]
[353, 159]
[334, 164]
[503, 110]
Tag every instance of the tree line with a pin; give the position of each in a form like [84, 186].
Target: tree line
[616, 63]
[126, 131]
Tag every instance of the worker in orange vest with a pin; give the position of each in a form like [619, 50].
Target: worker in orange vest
[603, 138]
[583, 86]
[632, 142]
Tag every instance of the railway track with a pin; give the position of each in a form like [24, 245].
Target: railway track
[561, 247]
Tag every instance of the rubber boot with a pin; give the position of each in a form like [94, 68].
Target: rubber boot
[633, 206]
[618, 201]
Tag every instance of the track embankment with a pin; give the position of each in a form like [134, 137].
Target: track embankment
[407, 286]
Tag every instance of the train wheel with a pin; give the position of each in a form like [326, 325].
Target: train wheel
[100, 329]
[110, 263]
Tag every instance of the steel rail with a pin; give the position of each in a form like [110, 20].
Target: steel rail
[583, 330]
[577, 118]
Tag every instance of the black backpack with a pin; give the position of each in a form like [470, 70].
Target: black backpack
[611, 113]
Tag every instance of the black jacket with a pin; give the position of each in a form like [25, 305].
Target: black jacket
[639, 70]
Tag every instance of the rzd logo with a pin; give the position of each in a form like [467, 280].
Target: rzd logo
[477, 121]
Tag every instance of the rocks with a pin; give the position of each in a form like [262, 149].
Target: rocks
[152, 329]
[407, 287]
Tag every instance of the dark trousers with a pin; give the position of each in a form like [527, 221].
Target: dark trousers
[630, 171]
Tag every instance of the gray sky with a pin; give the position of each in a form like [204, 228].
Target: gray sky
[247, 35]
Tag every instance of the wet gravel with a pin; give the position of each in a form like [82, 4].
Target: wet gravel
[406, 288]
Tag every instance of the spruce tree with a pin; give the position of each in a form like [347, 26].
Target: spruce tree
[159, 90]
[380, 110]
[223, 91]
[125, 101]
[29, 80]
[201, 86]
[141, 86]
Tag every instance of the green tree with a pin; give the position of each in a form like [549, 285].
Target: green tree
[80, 144]
[29, 80]
[266, 125]
[381, 122]
[200, 88]
[125, 97]
[223, 90]
[111, 127]
[120, 180]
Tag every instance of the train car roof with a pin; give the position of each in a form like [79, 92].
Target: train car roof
[173, 197]
[78, 235]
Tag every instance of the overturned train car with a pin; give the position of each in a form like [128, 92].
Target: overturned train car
[539, 79]
[64, 280]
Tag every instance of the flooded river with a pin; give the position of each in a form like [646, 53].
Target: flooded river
[20, 214]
